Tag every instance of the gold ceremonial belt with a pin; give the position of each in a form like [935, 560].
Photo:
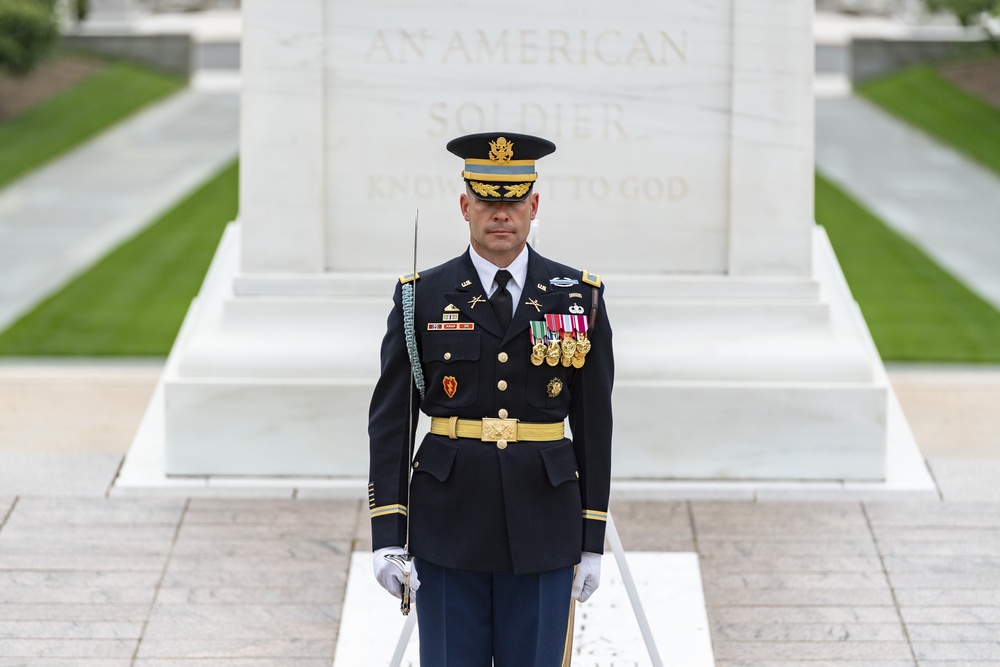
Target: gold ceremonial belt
[492, 429]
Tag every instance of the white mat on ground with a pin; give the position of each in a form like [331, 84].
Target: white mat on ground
[606, 630]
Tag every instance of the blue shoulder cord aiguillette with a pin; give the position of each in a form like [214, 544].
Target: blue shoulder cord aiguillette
[411, 339]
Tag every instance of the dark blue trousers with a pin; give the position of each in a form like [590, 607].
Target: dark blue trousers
[478, 619]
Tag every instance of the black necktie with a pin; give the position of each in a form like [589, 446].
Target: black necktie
[501, 300]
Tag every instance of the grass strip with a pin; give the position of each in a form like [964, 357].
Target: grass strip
[916, 310]
[924, 98]
[132, 302]
[71, 117]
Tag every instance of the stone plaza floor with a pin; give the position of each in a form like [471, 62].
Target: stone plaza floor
[255, 577]
[259, 582]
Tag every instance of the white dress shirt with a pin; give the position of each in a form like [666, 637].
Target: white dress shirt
[488, 271]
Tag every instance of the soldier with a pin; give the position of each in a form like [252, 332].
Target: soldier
[506, 513]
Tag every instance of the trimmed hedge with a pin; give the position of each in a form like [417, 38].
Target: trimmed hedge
[28, 33]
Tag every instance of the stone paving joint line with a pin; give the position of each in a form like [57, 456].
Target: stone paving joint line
[159, 583]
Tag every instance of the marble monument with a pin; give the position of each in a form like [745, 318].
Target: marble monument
[683, 175]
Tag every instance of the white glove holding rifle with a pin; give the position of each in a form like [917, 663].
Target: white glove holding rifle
[388, 574]
[588, 576]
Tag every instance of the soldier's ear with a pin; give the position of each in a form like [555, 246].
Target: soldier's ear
[463, 203]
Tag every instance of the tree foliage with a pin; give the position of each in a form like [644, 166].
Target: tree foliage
[968, 12]
[28, 32]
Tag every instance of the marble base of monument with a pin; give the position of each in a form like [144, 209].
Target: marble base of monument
[717, 378]
[606, 632]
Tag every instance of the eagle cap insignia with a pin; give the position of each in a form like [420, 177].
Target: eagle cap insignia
[501, 150]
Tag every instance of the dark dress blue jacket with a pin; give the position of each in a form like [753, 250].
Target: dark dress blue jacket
[532, 506]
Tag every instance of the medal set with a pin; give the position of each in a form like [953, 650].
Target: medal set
[559, 339]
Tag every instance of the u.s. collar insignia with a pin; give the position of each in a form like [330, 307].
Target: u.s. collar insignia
[542, 288]
[501, 150]
[564, 282]
[451, 308]
[576, 309]
[466, 283]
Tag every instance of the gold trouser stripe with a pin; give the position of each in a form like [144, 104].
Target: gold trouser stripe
[596, 515]
[473, 428]
[568, 646]
[383, 510]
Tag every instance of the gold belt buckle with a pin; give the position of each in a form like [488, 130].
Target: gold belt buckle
[499, 429]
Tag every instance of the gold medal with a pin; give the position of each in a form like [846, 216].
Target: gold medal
[554, 353]
[538, 353]
[568, 349]
[582, 348]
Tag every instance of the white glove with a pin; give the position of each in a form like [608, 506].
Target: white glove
[389, 576]
[588, 576]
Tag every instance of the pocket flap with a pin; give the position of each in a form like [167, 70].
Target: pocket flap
[560, 464]
[435, 458]
[450, 346]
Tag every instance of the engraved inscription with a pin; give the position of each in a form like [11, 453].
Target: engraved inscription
[613, 48]
[558, 121]
[628, 188]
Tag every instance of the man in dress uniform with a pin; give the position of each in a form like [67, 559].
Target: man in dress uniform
[506, 512]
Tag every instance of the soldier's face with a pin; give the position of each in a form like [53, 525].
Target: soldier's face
[499, 230]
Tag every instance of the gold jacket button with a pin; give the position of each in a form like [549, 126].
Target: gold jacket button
[503, 357]
[447, 356]
[502, 385]
[501, 444]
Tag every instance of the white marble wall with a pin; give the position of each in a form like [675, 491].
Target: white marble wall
[684, 130]
[282, 163]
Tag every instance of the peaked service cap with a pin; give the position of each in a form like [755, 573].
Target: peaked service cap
[500, 166]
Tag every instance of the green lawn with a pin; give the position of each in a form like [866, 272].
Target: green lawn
[927, 100]
[916, 311]
[132, 303]
[78, 113]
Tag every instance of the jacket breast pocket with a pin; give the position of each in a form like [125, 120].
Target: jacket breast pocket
[451, 367]
[549, 387]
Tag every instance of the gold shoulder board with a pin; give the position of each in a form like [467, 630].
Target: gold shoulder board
[591, 278]
[409, 278]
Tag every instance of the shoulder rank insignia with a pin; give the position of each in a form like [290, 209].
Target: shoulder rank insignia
[409, 278]
[591, 278]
